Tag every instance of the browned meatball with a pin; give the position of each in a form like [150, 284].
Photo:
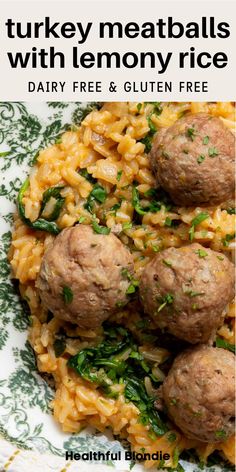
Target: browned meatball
[194, 160]
[185, 290]
[84, 276]
[199, 393]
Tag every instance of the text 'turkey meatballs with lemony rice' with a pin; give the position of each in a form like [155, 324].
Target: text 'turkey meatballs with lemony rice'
[83, 278]
[186, 290]
[199, 393]
[193, 160]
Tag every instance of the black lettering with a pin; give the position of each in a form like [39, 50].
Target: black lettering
[68, 30]
[108, 63]
[132, 30]
[84, 32]
[19, 33]
[166, 457]
[152, 61]
[36, 29]
[173, 25]
[192, 30]
[9, 24]
[220, 60]
[69, 455]
[224, 30]
[200, 57]
[87, 60]
[111, 30]
[50, 29]
[164, 62]
[19, 59]
[182, 56]
[126, 60]
[212, 27]
[160, 24]
[31, 86]
[148, 30]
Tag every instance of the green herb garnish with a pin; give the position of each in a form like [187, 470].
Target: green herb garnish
[100, 229]
[227, 239]
[192, 293]
[127, 226]
[205, 140]
[221, 434]
[200, 159]
[166, 300]
[201, 253]
[196, 221]
[212, 152]
[191, 132]
[119, 174]
[67, 295]
[132, 287]
[139, 106]
[167, 263]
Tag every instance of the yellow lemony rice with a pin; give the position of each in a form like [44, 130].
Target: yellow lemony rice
[108, 144]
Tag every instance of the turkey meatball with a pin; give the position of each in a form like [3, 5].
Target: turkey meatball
[84, 276]
[186, 290]
[199, 393]
[194, 160]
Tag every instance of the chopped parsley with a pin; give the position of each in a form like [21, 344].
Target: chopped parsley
[221, 434]
[132, 287]
[168, 221]
[125, 273]
[127, 226]
[167, 263]
[205, 140]
[173, 401]
[100, 229]
[212, 152]
[155, 248]
[147, 140]
[166, 300]
[196, 221]
[227, 239]
[81, 219]
[201, 253]
[200, 159]
[221, 258]
[191, 133]
[139, 106]
[191, 293]
[67, 294]
[119, 174]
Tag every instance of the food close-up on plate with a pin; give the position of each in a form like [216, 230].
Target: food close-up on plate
[117, 286]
